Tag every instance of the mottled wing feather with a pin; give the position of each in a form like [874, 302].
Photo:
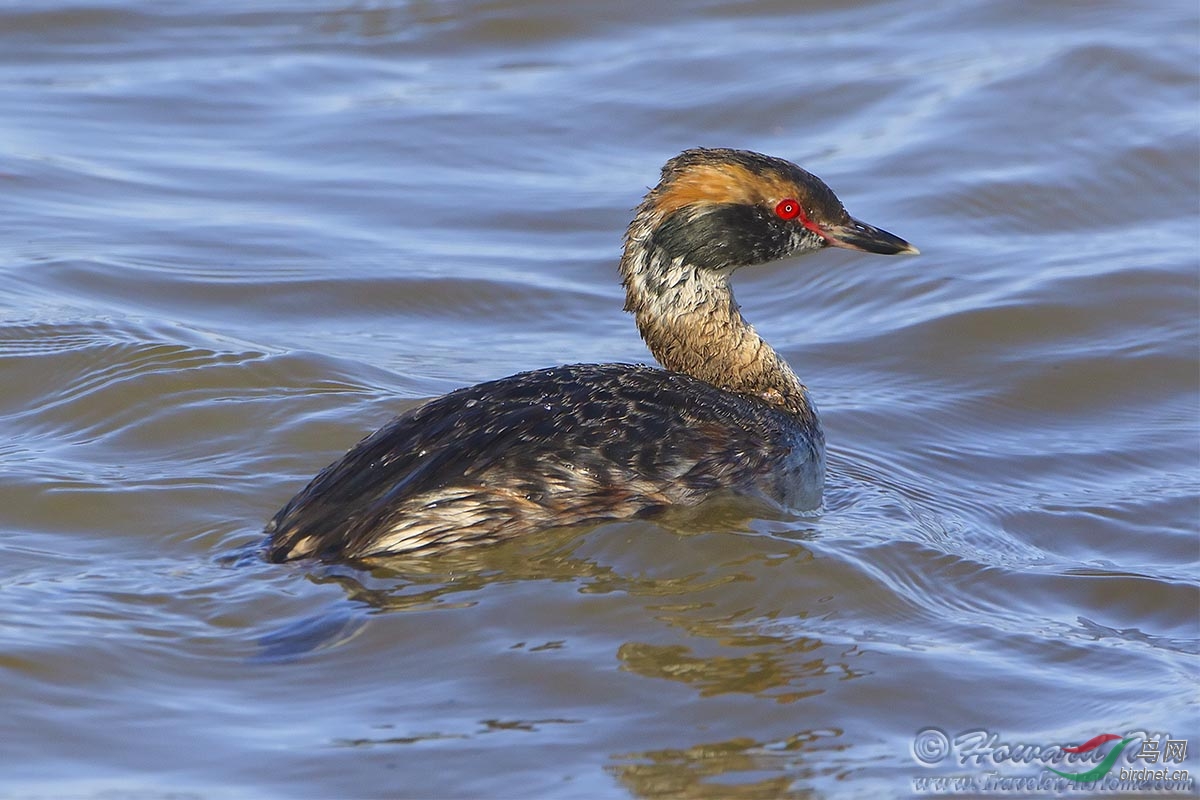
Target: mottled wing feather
[553, 446]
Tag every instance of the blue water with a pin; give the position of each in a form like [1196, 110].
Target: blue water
[234, 240]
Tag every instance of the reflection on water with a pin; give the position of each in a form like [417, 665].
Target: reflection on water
[235, 241]
[731, 768]
[762, 673]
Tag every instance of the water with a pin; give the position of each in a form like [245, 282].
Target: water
[235, 238]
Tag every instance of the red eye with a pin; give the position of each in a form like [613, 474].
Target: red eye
[788, 209]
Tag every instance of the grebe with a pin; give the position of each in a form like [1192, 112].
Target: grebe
[589, 442]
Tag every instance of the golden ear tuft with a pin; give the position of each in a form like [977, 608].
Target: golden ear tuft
[721, 183]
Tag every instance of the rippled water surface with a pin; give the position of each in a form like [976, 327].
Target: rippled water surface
[234, 238]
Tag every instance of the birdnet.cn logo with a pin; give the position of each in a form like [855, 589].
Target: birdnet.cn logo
[985, 763]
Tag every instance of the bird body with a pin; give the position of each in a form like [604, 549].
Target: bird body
[588, 442]
[546, 448]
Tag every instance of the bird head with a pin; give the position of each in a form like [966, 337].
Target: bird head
[722, 209]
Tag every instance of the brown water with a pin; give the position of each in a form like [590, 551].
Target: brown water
[235, 241]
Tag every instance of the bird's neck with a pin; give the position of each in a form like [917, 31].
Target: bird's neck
[691, 323]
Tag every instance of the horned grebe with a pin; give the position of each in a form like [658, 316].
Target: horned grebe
[588, 442]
